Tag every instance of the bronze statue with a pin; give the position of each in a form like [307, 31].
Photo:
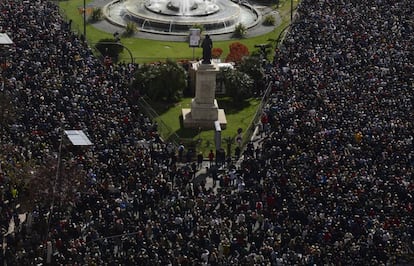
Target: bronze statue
[207, 45]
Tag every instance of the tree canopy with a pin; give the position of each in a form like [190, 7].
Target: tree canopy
[238, 85]
[109, 47]
[164, 82]
[252, 66]
[237, 52]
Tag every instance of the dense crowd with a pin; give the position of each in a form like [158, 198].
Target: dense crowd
[328, 182]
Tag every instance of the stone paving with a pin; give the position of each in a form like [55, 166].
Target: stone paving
[203, 175]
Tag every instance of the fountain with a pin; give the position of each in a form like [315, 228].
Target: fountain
[178, 16]
[182, 7]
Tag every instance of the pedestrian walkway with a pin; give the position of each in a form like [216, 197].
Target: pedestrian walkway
[203, 174]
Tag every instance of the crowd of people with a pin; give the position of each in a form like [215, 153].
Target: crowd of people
[328, 181]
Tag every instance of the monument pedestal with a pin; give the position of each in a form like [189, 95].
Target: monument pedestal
[204, 109]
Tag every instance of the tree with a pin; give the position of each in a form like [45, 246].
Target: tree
[251, 65]
[43, 184]
[237, 52]
[238, 84]
[109, 47]
[161, 82]
[263, 50]
[97, 14]
[269, 20]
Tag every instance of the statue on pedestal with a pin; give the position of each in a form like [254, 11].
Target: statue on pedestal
[207, 45]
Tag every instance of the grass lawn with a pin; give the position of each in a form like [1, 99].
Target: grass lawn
[238, 116]
[149, 50]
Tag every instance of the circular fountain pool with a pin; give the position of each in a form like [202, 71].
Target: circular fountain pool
[178, 16]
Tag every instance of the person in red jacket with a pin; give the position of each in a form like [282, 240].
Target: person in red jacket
[211, 157]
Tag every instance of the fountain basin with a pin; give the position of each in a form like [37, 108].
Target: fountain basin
[165, 17]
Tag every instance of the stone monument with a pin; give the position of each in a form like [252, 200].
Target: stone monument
[204, 109]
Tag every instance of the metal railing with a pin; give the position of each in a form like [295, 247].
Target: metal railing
[167, 132]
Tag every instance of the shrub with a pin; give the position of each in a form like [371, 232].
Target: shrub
[269, 20]
[240, 31]
[238, 84]
[163, 82]
[237, 52]
[96, 14]
[130, 29]
[216, 53]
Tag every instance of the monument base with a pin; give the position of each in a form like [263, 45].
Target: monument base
[204, 111]
[206, 123]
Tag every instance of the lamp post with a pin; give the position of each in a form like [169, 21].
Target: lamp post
[291, 10]
[84, 19]
[76, 138]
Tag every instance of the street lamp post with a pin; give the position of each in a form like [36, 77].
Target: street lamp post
[291, 11]
[76, 138]
[84, 19]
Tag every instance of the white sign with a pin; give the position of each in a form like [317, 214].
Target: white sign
[5, 39]
[195, 36]
[78, 138]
